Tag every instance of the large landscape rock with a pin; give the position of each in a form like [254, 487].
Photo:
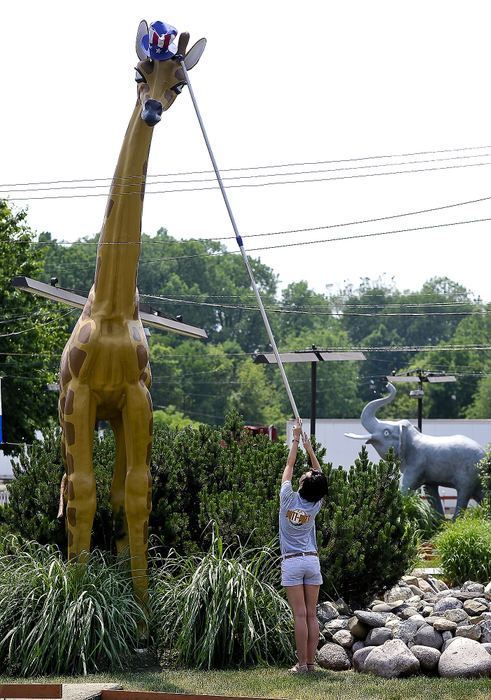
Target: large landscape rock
[333, 657]
[392, 660]
[428, 657]
[464, 657]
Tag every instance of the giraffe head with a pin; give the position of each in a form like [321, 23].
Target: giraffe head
[160, 81]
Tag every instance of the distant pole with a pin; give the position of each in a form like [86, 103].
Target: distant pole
[420, 405]
[1, 433]
[313, 396]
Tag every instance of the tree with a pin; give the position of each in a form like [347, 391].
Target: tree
[32, 337]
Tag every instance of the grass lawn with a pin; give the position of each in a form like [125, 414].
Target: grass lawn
[278, 683]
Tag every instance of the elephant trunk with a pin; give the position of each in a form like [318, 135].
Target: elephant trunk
[368, 418]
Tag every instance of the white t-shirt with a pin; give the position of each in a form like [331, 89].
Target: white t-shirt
[297, 521]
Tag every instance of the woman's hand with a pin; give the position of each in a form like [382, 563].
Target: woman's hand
[297, 430]
[306, 442]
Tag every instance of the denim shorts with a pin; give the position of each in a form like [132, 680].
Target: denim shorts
[298, 570]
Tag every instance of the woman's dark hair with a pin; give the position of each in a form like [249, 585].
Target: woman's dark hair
[314, 487]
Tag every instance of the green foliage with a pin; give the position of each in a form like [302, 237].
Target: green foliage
[215, 474]
[464, 546]
[426, 519]
[34, 494]
[221, 608]
[484, 467]
[366, 542]
[173, 418]
[58, 618]
[33, 335]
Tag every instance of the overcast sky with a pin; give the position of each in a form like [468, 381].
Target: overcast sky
[280, 82]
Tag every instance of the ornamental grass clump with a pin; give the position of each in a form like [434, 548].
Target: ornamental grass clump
[222, 608]
[59, 618]
[465, 548]
[426, 519]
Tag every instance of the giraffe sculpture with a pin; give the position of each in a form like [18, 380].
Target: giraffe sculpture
[104, 370]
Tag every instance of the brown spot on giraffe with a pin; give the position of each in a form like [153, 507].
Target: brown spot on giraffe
[62, 407]
[84, 333]
[72, 555]
[69, 463]
[147, 67]
[77, 358]
[68, 408]
[71, 491]
[143, 377]
[70, 538]
[65, 375]
[149, 480]
[71, 514]
[136, 313]
[69, 433]
[142, 354]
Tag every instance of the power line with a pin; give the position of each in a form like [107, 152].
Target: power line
[139, 180]
[248, 185]
[257, 167]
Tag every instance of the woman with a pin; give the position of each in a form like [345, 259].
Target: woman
[300, 569]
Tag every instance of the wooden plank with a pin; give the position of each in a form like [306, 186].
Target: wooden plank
[151, 695]
[31, 690]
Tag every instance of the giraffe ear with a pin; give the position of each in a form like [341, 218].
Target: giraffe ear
[142, 30]
[194, 54]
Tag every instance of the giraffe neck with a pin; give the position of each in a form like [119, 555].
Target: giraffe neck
[117, 263]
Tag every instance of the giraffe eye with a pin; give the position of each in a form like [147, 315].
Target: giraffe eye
[139, 77]
[178, 87]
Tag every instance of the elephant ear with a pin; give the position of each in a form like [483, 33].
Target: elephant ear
[402, 448]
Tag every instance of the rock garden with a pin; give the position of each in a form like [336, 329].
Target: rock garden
[420, 626]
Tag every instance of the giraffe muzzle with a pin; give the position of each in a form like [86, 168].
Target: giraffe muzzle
[152, 112]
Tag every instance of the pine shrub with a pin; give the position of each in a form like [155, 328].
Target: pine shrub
[464, 546]
[484, 467]
[366, 542]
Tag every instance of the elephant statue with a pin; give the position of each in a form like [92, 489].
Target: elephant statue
[425, 460]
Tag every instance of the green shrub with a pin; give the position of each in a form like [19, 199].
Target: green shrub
[464, 546]
[426, 519]
[221, 608]
[366, 542]
[224, 475]
[57, 618]
[34, 494]
[484, 467]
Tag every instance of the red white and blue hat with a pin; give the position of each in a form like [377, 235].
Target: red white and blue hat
[157, 44]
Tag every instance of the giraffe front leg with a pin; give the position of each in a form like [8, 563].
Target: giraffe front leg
[138, 430]
[78, 433]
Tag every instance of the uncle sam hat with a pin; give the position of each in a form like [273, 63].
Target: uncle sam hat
[157, 43]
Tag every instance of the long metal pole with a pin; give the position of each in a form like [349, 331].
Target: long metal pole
[313, 396]
[241, 245]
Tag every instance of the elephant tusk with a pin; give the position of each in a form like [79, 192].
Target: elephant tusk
[358, 437]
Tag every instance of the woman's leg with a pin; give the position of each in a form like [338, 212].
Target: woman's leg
[296, 598]
[311, 594]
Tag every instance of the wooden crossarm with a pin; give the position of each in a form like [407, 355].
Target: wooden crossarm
[31, 690]
[149, 695]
